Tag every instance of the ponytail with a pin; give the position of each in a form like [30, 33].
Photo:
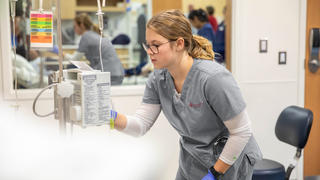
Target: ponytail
[201, 48]
[96, 28]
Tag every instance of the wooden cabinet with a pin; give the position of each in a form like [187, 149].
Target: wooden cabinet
[69, 8]
[161, 5]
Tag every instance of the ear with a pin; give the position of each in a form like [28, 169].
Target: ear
[180, 44]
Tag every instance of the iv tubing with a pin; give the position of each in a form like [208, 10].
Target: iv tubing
[100, 21]
[99, 5]
[36, 99]
[62, 120]
[13, 15]
[100, 51]
[60, 79]
[40, 6]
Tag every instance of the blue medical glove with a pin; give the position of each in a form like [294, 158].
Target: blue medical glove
[113, 117]
[209, 176]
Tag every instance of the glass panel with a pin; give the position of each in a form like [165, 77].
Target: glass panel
[124, 28]
[30, 63]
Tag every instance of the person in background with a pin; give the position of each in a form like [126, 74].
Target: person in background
[89, 46]
[141, 36]
[18, 38]
[191, 8]
[219, 44]
[200, 99]
[212, 20]
[27, 75]
[199, 19]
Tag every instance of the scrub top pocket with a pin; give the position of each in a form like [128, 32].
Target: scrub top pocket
[246, 168]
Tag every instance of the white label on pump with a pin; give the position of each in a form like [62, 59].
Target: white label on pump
[96, 98]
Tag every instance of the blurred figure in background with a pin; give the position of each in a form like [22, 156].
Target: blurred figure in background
[18, 37]
[144, 66]
[219, 44]
[27, 75]
[212, 20]
[191, 8]
[141, 24]
[199, 19]
[89, 46]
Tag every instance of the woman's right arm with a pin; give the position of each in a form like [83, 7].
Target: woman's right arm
[146, 114]
[138, 124]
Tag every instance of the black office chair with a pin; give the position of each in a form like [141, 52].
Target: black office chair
[292, 127]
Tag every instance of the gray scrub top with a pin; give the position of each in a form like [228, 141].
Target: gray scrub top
[209, 96]
[89, 44]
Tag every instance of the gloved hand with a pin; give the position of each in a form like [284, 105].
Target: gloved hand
[209, 176]
[113, 117]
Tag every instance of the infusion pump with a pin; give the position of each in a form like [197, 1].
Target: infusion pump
[88, 103]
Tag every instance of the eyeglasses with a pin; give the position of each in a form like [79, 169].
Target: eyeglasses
[154, 48]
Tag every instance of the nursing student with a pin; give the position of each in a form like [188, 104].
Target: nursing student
[200, 99]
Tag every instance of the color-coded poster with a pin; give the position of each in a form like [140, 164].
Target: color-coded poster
[41, 34]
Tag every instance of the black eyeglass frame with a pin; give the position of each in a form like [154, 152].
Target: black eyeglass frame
[154, 48]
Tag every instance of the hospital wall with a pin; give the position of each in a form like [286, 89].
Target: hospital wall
[31, 146]
[267, 86]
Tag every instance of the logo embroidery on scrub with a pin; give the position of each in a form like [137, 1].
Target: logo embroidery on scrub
[195, 105]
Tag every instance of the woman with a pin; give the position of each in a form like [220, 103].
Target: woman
[89, 46]
[199, 20]
[200, 99]
[212, 20]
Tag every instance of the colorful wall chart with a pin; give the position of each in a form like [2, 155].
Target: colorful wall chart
[41, 35]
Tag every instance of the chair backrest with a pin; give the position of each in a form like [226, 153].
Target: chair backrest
[293, 126]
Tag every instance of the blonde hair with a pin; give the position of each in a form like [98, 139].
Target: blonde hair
[84, 19]
[172, 24]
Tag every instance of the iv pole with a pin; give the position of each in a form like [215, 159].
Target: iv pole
[13, 15]
[60, 111]
[61, 100]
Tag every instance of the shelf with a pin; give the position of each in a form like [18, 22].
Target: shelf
[69, 8]
[94, 2]
[104, 9]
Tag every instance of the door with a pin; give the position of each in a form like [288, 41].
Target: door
[228, 22]
[312, 96]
